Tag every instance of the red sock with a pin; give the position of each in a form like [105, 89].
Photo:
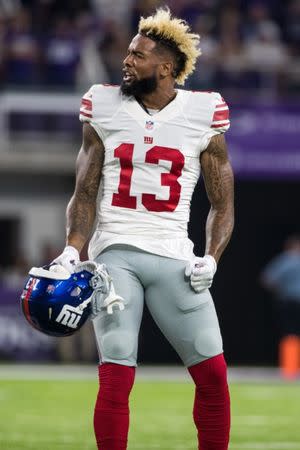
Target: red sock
[212, 403]
[111, 416]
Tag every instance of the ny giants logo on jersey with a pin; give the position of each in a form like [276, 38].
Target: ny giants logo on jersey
[148, 140]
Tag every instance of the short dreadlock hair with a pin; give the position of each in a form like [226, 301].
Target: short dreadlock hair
[175, 35]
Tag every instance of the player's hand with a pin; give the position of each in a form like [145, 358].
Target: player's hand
[201, 272]
[68, 259]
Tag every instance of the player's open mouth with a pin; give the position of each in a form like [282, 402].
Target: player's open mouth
[128, 77]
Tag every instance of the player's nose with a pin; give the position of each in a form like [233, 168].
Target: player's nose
[127, 60]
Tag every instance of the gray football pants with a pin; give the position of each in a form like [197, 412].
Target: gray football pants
[186, 318]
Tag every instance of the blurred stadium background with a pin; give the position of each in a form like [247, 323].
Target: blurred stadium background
[51, 51]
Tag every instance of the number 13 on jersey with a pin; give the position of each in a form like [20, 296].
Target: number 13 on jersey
[123, 198]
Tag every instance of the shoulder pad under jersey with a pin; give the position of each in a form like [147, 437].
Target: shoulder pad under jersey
[208, 110]
[99, 104]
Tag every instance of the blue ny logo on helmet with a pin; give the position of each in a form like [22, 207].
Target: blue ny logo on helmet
[55, 302]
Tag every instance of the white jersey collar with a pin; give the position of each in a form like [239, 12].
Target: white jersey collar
[136, 110]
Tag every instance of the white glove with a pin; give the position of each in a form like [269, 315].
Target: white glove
[68, 259]
[201, 272]
[104, 296]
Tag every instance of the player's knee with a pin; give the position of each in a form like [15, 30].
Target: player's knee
[218, 370]
[120, 346]
[210, 372]
[208, 342]
[116, 382]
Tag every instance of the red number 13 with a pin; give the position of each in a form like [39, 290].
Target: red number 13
[123, 198]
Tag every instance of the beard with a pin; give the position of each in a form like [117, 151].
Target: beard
[138, 88]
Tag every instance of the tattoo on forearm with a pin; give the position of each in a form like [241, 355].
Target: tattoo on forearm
[219, 228]
[218, 180]
[80, 217]
[81, 210]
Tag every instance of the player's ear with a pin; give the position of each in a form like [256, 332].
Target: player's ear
[166, 69]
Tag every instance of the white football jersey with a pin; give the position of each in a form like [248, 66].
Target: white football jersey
[151, 167]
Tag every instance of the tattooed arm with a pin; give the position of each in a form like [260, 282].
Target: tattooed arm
[81, 210]
[218, 179]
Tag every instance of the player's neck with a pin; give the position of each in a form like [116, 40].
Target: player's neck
[157, 99]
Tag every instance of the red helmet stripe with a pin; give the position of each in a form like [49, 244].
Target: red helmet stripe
[25, 302]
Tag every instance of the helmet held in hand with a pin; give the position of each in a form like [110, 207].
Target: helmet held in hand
[56, 302]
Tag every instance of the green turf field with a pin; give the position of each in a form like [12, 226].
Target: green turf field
[52, 415]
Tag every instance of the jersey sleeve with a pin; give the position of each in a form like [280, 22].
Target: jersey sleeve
[87, 112]
[98, 106]
[86, 107]
[220, 120]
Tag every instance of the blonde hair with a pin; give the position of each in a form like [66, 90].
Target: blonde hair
[161, 26]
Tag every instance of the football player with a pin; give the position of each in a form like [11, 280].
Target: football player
[144, 144]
